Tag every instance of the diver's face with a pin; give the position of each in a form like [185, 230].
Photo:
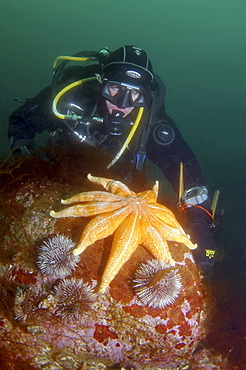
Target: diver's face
[114, 90]
[112, 107]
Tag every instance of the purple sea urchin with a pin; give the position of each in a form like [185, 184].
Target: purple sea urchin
[55, 257]
[157, 284]
[27, 302]
[74, 299]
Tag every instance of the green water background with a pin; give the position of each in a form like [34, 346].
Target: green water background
[198, 47]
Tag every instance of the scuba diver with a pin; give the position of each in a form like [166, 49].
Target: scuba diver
[114, 101]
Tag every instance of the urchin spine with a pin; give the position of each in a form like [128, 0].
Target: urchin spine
[55, 257]
[157, 284]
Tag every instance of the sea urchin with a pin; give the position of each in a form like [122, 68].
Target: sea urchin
[74, 299]
[55, 258]
[156, 283]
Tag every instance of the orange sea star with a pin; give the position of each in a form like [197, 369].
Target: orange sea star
[135, 218]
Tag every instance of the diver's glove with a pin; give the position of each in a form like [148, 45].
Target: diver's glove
[22, 147]
[25, 150]
[116, 124]
[200, 228]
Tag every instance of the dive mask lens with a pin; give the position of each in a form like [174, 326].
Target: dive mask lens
[124, 95]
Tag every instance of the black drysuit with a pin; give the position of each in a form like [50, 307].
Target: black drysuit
[157, 139]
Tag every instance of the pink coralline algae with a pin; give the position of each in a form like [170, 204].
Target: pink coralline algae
[46, 320]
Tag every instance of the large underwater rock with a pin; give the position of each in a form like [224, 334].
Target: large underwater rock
[54, 322]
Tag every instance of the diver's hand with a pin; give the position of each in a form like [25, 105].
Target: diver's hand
[22, 147]
[205, 253]
[200, 229]
[24, 151]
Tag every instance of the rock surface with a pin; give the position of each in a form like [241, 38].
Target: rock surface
[52, 323]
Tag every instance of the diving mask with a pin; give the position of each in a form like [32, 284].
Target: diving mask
[124, 95]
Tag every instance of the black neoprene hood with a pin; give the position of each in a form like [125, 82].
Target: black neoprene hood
[129, 64]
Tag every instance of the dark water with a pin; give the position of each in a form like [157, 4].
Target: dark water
[199, 50]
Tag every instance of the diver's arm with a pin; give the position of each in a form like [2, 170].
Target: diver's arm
[31, 118]
[167, 148]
